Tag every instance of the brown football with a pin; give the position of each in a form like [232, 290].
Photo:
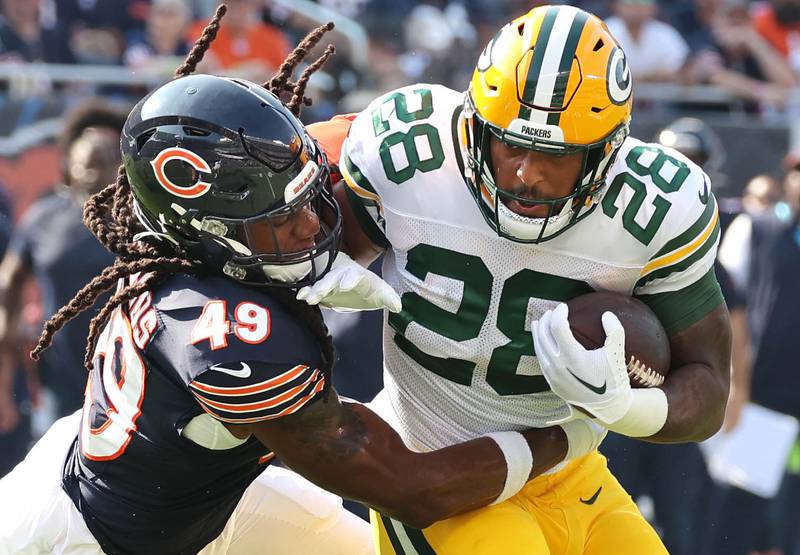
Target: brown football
[647, 349]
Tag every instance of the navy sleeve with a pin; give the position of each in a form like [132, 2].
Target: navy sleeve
[257, 391]
[243, 356]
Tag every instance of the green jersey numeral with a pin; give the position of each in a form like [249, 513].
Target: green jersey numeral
[398, 101]
[465, 324]
[511, 320]
[468, 320]
[645, 233]
[415, 138]
[654, 170]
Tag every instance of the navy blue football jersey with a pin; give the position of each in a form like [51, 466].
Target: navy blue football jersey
[191, 346]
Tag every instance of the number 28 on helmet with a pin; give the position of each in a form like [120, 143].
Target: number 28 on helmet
[554, 81]
[214, 164]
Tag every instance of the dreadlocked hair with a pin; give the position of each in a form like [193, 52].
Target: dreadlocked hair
[110, 216]
[202, 44]
[281, 82]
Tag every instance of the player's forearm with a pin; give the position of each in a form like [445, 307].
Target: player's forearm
[360, 457]
[7, 371]
[470, 475]
[696, 398]
[12, 276]
[697, 387]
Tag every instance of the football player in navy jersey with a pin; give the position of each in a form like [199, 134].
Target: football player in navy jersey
[204, 366]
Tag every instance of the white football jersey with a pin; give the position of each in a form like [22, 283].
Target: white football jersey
[459, 359]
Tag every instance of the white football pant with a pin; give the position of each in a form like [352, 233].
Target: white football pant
[281, 513]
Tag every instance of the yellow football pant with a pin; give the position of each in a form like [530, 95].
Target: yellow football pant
[581, 509]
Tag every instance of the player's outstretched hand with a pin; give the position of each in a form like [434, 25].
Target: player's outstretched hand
[348, 286]
[594, 380]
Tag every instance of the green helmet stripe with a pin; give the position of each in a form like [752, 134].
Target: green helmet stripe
[536, 63]
[560, 89]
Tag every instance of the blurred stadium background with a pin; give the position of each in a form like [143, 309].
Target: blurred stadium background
[733, 64]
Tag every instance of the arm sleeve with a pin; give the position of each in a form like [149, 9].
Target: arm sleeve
[364, 198]
[677, 310]
[678, 282]
[268, 391]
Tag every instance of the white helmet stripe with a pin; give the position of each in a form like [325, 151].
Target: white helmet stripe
[546, 81]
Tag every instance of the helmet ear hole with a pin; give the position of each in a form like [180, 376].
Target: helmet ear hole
[195, 132]
[142, 139]
[598, 45]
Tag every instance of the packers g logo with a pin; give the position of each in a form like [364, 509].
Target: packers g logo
[618, 77]
[198, 188]
[485, 59]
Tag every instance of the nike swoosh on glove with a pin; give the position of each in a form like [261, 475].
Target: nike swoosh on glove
[595, 380]
[349, 287]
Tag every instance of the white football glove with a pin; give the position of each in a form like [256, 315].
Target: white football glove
[595, 380]
[348, 287]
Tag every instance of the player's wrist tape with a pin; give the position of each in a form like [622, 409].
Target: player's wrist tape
[519, 462]
[646, 416]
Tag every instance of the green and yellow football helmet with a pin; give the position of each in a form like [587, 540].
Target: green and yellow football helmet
[555, 81]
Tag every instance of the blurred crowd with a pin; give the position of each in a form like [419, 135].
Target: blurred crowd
[750, 50]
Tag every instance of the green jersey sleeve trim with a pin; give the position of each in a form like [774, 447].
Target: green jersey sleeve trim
[692, 232]
[356, 178]
[682, 265]
[365, 221]
[362, 197]
[677, 310]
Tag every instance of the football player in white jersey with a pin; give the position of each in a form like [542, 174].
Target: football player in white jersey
[495, 207]
[205, 369]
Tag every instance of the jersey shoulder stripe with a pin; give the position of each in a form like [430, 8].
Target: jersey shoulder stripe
[285, 394]
[709, 213]
[664, 214]
[357, 180]
[364, 201]
[687, 248]
[261, 387]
